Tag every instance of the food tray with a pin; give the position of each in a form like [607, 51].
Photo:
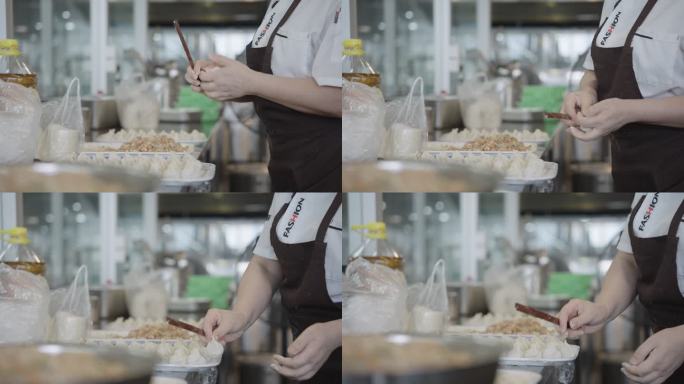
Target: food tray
[116, 343]
[98, 147]
[520, 376]
[440, 146]
[517, 361]
[550, 174]
[208, 169]
[184, 368]
[99, 139]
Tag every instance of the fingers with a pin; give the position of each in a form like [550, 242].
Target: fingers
[569, 311]
[588, 135]
[300, 343]
[210, 321]
[191, 77]
[642, 352]
[651, 378]
[585, 102]
[570, 104]
[290, 368]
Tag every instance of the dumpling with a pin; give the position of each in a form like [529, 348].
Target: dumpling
[174, 169]
[195, 357]
[192, 168]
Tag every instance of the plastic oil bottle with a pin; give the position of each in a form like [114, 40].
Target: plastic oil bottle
[18, 254]
[13, 68]
[355, 67]
[376, 248]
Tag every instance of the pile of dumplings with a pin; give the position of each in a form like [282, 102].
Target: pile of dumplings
[181, 353]
[524, 166]
[183, 167]
[126, 135]
[541, 347]
[472, 134]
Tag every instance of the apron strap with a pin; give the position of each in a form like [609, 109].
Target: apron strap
[640, 20]
[327, 219]
[630, 224]
[274, 224]
[676, 219]
[287, 15]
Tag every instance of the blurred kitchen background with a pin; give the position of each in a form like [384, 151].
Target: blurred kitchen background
[200, 243]
[563, 244]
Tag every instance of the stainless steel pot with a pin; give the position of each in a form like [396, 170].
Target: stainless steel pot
[469, 299]
[71, 363]
[53, 177]
[479, 365]
[414, 176]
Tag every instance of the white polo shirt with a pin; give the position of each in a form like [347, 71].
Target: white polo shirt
[653, 220]
[309, 44]
[658, 57]
[309, 209]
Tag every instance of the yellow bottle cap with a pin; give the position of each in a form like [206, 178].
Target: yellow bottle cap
[18, 235]
[375, 230]
[353, 47]
[9, 47]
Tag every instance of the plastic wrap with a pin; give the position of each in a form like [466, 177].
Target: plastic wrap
[62, 122]
[481, 105]
[428, 303]
[363, 122]
[146, 295]
[24, 301]
[138, 105]
[20, 112]
[70, 310]
[374, 299]
[407, 124]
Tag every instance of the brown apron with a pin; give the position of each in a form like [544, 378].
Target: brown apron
[657, 286]
[306, 150]
[304, 290]
[645, 157]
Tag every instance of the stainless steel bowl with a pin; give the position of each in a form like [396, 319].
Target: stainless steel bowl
[53, 177]
[478, 360]
[72, 364]
[414, 176]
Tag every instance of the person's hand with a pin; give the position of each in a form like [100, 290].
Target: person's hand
[192, 74]
[579, 317]
[657, 358]
[577, 104]
[309, 351]
[603, 118]
[230, 79]
[225, 326]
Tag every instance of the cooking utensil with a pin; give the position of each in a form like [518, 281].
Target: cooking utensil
[558, 116]
[103, 113]
[414, 176]
[71, 363]
[184, 43]
[537, 313]
[184, 325]
[446, 111]
[478, 366]
[64, 177]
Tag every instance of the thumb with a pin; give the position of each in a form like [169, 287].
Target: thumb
[584, 317]
[642, 352]
[219, 60]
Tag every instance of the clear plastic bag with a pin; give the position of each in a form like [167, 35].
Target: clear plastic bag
[374, 299]
[363, 122]
[20, 111]
[24, 301]
[481, 105]
[146, 295]
[137, 103]
[428, 303]
[62, 126]
[70, 310]
[504, 286]
[407, 123]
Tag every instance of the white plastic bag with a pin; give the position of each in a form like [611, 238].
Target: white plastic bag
[428, 303]
[146, 295]
[24, 299]
[407, 124]
[62, 126]
[70, 310]
[363, 122]
[137, 103]
[481, 105]
[374, 299]
[20, 111]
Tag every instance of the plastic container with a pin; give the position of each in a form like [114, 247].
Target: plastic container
[355, 67]
[376, 248]
[18, 254]
[13, 69]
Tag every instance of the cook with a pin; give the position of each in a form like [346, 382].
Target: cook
[633, 91]
[293, 76]
[649, 263]
[300, 254]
